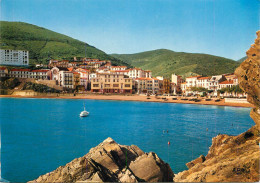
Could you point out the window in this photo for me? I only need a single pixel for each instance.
(95, 85)
(127, 85)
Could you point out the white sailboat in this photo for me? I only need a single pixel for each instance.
(84, 113)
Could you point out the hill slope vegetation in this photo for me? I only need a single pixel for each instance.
(166, 62)
(44, 44)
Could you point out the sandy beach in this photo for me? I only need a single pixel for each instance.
(136, 98)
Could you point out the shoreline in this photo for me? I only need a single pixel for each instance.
(135, 98)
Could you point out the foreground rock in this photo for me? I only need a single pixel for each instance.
(111, 162)
(230, 159)
(249, 78)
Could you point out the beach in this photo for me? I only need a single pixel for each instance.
(141, 98)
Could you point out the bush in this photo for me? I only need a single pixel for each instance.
(39, 88)
(10, 83)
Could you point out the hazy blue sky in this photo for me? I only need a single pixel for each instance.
(218, 27)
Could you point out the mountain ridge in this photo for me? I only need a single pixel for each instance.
(44, 44)
(166, 62)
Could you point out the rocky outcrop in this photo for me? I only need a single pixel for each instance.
(230, 159)
(111, 162)
(248, 74)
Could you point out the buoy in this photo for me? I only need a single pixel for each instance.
(207, 129)
(163, 131)
(167, 131)
(169, 142)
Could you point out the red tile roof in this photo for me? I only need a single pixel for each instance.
(2, 68)
(39, 70)
(70, 68)
(119, 66)
(143, 79)
(201, 78)
(194, 76)
(226, 82)
(20, 69)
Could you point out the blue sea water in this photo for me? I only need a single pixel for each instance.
(39, 135)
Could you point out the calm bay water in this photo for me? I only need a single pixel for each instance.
(38, 135)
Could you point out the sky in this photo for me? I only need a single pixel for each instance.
(218, 27)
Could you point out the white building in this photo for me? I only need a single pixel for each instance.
(66, 79)
(20, 73)
(203, 82)
(14, 57)
(40, 74)
(192, 81)
(118, 68)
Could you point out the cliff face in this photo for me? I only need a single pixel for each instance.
(234, 158)
(249, 80)
(230, 159)
(111, 162)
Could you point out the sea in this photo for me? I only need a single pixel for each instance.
(39, 135)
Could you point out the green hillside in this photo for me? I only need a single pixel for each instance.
(43, 44)
(165, 62)
(242, 59)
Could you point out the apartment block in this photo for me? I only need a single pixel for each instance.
(14, 57)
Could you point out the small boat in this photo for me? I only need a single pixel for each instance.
(84, 113)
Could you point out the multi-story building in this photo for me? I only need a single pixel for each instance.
(214, 82)
(226, 84)
(166, 86)
(76, 79)
(14, 57)
(147, 74)
(118, 68)
(176, 81)
(111, 83)
(147, 85)
(183, 87)
(232, 77)
(66, 79)
(20, 73)
(192, 81)
(3, 72)
(203, 82)
(39, 74)
(84, 77)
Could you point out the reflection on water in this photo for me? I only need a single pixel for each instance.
(46, 133)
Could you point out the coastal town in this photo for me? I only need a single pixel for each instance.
(100, 76)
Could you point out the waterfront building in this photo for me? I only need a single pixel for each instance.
(232, 77)
(214, 83)
(76, 79)
(166, 86)
(84, 77)
(176, 81)
(66, 79)
(111, 83)
(147, 85)
(203, 82)
(183, 87)
(192, 81)
(226, 84)
(14, 57)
